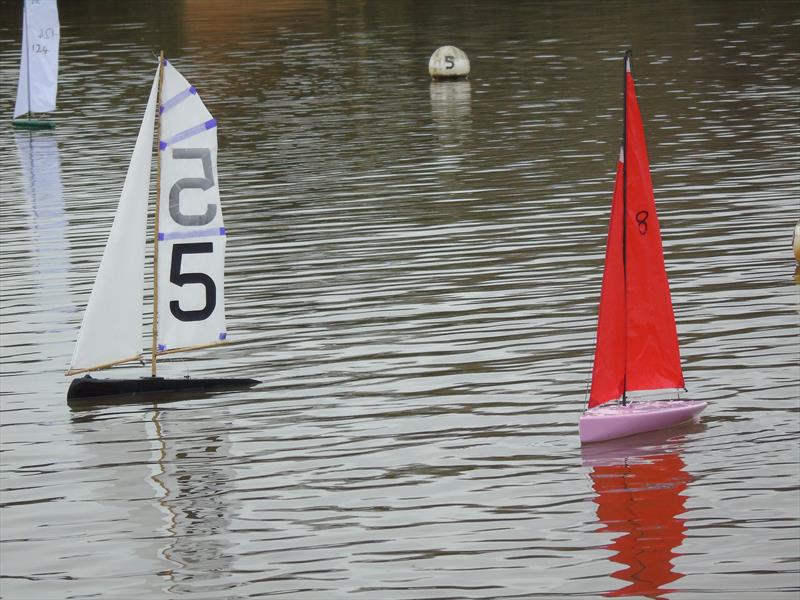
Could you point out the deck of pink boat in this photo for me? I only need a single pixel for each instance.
(607, 422)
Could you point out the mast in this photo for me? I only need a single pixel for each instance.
(155, 219)
(26, 42)
(626, 67)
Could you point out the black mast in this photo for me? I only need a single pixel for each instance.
(625, 63)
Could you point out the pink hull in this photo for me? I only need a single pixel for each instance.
(610, 421)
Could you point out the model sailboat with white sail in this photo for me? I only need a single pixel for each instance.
(189, 248)
(637, 341)
(38, 69)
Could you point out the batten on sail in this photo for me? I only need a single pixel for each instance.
(191, 232)
(38, 74)
(111, 330)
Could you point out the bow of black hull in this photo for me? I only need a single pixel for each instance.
(88, 390)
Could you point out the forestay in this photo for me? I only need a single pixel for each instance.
(38, 73)
(111, 331)
(191, 234)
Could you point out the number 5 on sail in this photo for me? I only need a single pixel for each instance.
(191, 234)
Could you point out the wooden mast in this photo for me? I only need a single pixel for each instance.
(154, 348)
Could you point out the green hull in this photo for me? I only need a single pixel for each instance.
(33, 124)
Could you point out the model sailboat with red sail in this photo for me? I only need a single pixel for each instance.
(637, 342)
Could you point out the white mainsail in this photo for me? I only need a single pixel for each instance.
(191, 234)
(111, 331)
(38, 73)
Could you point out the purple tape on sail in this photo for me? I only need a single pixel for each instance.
(223, 335)
(178, 98)
(182, 235)
(187, 133)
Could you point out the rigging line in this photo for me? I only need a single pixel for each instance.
(587, 390)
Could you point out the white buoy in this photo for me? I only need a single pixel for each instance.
(448, 62)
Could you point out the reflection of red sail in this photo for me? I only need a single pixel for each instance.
(642, 501)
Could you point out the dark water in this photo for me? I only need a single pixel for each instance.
(413, 273)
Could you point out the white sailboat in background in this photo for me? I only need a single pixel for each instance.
(189, 246)
(38, 72)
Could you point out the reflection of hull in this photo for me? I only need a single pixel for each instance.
(88, 389)
(607, 422)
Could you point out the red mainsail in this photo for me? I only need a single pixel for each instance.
(637, 343)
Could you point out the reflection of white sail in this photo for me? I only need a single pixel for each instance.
(111, 330)
(38, 73)
(115, 458)
(191, 234)
(193, 479)
(41, 171)
(177, 494)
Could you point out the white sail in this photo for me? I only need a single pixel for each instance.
(38, 73)
(191, 234)
(111, 331)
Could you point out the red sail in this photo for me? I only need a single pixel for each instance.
(637, 344)
(608, 375)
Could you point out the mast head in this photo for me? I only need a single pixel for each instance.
(627, 59)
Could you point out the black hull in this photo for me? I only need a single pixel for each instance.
(88, 390)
